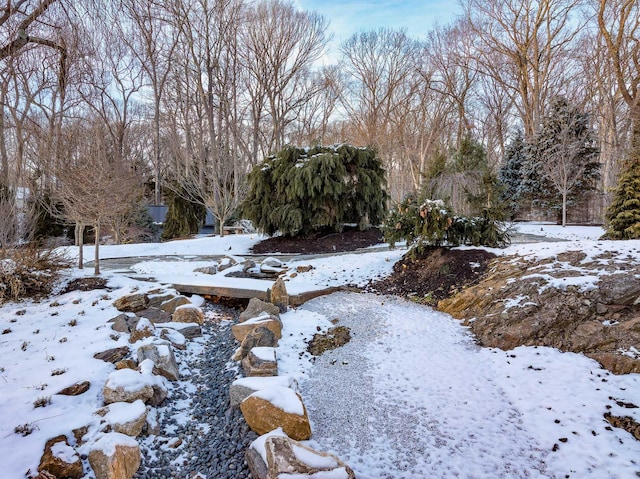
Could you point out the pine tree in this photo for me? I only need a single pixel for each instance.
(183, 217)
(623, 215)
(305, 191)
(511, 174)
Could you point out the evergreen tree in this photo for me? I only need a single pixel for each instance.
(183, 218)
(564, 160)
(511, 173)
(304, 191)
(623, 215)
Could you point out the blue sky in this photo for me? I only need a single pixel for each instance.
(347, 17)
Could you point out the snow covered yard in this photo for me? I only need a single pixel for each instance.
(411, 395)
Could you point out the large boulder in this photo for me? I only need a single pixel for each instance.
(242, 388)
(156, 298)
(114, 456)
(123, 323)
(261, 361)
(260, 336)
(155, 315)
(289, 458)
(241, 330)
(256, 307)
(188, 313)
(131, 303)
(271, 408)
(158, 383)
(170, 305)
(125, 418)
(176, 338)
(60, 459)
(163, 359)
(127, 385)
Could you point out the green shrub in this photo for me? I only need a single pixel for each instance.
(304, 191)
(423, 223)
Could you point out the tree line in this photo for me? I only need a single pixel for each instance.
(107, 104)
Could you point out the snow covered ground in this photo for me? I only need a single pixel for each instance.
(413, 396)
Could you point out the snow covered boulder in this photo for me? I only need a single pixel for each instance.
(188, 313)
(256, 307)
(131, 303)
(155, 315)
(288, 458)
(176, 338)
(60, 459)
(163, 359)
(261, 361)
(127, 385)
(114, 456)
(159, 384)
(170, 305)
(260, 336)
(144, 329)
(271, 408)
(125, 418)
(242, 388)
(272, 323)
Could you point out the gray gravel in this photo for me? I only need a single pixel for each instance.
(213, 435)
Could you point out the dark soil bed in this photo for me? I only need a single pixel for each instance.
(348, 240)
(436, 274)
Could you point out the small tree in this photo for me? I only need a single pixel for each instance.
(305, 191)
(511, 174)
(564, 153)
(623, 215)
(184, 217)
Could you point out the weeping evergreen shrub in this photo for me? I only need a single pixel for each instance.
(298, 192)
(183, 218)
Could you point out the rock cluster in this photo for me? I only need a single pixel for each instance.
(589, 306)
(138, 384)
(270, 404)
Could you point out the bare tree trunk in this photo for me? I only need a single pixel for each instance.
(96, 258)
(79, 235)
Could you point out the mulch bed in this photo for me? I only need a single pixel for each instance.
(435, 274)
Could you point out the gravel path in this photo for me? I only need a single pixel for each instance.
(201, 435)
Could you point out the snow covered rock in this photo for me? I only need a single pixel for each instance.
(114, 456)
(273, 323)
(260, 336)
(256, 307)
(176, 338)
(123, 323)
(271, 408)
(188, 313)
(261, 361)
(287, 458)
(127, 385)
(171, 305)
(163, 359)
(144, 329)
(60, 459)
(112, 355)
(125, 418)
(131, 303)
(156, 298)
(75, 389)
(244, 387)
(155, 315)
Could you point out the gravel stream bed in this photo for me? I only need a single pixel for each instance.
(201, 435)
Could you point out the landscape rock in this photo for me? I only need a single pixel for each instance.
(226, 263)
(213, 269)
(525, 302)
(279, 295)
(242, 388)
(271, 408)
(163, 359)
(126, 364)
(170, 305)
(176, 338)
(144, 329)
(125, 418)
(123, 323)
(156, 299)
(256, 454)
(60, 459)
(260, 336)
(191, 331)
(126, 385)
(115, 456)
(158, 383)
(131, 303)
(257, 307)
(304, 268)
(261, 361)
(188, 313)
(272, 323)
(155, 315)
(75, 389)
(286, 457)
(112, 355)
(332, 339)
(153, 422)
